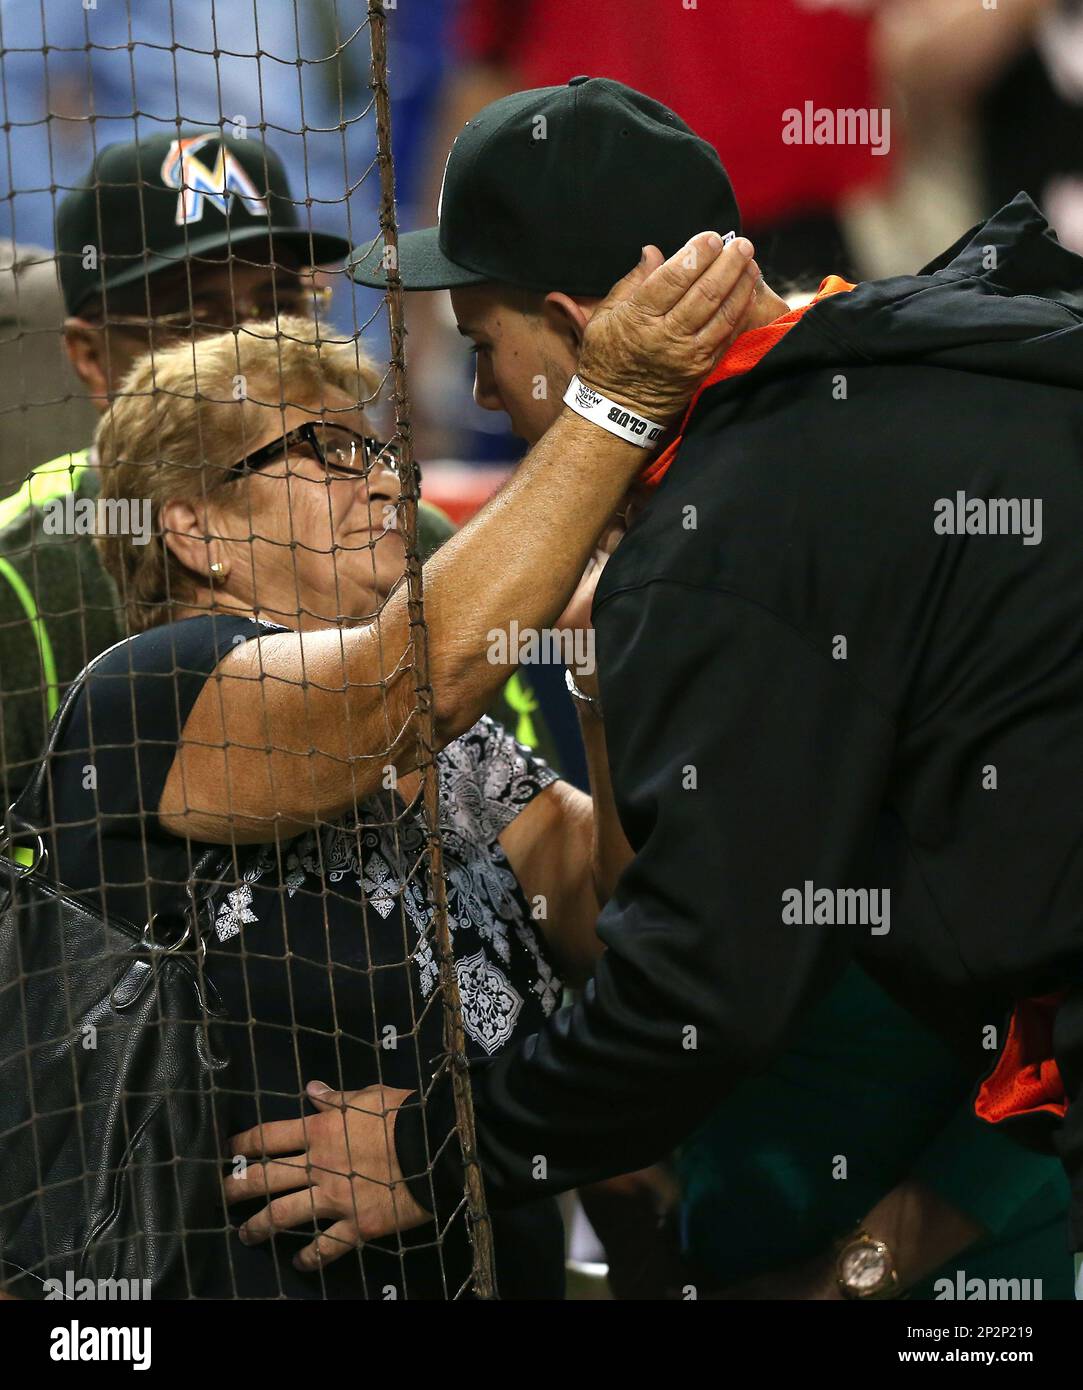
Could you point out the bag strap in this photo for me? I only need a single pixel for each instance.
(29, 812)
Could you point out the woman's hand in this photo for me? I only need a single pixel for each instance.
(662, 328)
(341, 1167)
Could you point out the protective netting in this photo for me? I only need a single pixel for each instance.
(230, 878)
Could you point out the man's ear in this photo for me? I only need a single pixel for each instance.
(84, 343)
(184, 526)
(568, 316)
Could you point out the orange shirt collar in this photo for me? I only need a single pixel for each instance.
(740, 357)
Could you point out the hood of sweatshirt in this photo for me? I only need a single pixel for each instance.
(1006, 300)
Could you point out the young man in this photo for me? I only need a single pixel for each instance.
(837, 656)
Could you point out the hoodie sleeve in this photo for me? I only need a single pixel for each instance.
(745, 761)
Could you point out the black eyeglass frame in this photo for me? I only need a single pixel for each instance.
(371, 451)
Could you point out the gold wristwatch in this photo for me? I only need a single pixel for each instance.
(865, 1267)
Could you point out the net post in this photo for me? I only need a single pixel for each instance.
(454, 1037)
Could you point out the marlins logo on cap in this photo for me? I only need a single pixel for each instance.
(182, 168)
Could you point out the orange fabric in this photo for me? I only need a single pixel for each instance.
(739, 358)
(1026, 1079)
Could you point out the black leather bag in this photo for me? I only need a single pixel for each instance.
(110, 1039)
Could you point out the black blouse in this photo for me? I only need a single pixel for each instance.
(322, 949)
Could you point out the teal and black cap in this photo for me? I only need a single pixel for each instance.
(152, 204)
(559, 188)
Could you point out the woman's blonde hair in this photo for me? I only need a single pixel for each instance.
(182, 417)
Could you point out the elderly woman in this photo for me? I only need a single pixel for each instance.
(263, 705)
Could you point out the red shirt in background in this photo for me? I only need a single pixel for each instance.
(729, 68)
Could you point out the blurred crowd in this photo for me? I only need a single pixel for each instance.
(978, 111)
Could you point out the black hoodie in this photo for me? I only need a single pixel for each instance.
(809, 685)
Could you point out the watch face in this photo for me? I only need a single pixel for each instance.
(863, 1268)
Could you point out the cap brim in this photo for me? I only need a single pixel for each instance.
(422, 265)
(312, 248)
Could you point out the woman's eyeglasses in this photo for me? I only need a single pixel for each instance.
(336, 448)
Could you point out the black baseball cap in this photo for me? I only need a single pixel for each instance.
(149, 205)
(559, 188)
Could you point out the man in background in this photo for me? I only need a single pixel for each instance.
(175, 235)
(41, 414)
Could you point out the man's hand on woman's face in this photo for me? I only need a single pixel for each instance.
(661, 329)
(341, 1167)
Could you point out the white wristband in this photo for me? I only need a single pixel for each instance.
(617, 419)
